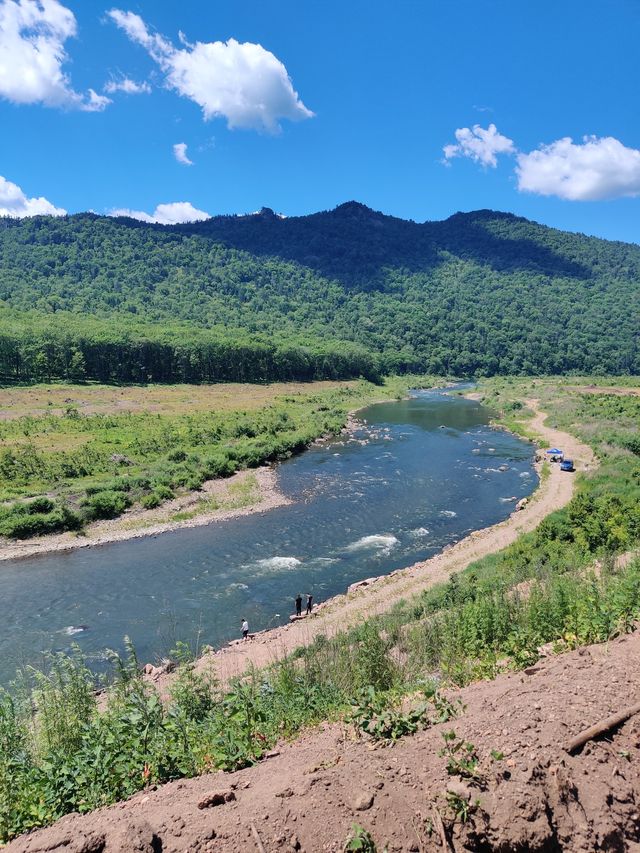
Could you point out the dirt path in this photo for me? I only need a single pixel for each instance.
(344, 611)
(306, 797)
(617, 390)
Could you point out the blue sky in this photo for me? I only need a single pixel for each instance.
(381, 89)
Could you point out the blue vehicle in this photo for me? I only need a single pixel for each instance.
(567, 465)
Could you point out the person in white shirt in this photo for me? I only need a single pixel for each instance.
(245, 629)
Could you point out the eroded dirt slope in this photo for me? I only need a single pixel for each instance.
(306, 797)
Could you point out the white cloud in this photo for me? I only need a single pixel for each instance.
(128, 86)
(479, 144)
(13, 202)
(180, 153)
(166, 214)
(243, 83)
(32, 55)
(599, 168)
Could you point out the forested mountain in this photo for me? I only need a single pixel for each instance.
(345, 292)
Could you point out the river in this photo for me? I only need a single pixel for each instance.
(420, 474)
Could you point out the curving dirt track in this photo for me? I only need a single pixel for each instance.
(346, 610)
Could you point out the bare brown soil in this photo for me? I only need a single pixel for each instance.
(537, 797)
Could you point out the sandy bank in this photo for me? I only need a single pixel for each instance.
(259, 496)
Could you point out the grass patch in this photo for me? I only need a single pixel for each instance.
(96, 465)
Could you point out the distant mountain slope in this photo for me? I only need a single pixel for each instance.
(480, 292)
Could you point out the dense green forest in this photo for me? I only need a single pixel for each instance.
(337, 294)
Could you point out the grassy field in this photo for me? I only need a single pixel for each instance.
(70, 454)
(93, 399)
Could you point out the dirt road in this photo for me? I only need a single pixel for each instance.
(344, 611)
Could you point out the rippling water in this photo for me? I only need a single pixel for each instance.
(420, 474)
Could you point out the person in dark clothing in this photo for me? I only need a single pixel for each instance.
(309, 603)
(298, 605)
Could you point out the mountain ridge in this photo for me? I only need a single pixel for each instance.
(480, 292)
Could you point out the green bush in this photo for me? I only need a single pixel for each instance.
(177, 456)
(164, 492)
(118, 484)
(22, 526)
(106, 504)
(151, 501)
(40, 505)
(219, 465)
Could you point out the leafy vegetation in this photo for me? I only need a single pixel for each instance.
(339, 294)
(462, 757)
(93, 466)
(380, 717)
(360, 840)
(59, 754)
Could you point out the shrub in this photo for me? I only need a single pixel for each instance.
(117, 484)
(140, 482)
(22, 526)
(107, 504)
(40, 505)
(151, 501)
(164, 493)
(177, 456)
(219, 465)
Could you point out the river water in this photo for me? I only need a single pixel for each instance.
(419, 475)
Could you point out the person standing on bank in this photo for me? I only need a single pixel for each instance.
(245, 629)
(298, 605)
(309, 603)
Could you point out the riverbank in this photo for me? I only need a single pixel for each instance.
(244, 493)
(380, 594)
(214, 428)
(308, 793)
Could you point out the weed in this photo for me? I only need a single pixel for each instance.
(461, 808)
(359, 841)
(462, 757)
(384, 716)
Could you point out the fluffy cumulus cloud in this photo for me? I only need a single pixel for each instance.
(598, 168)
(13, 202)
(479, 144)
(180, 153)
(172, 213)
(32, 55)
(128, 86)
(243, 83)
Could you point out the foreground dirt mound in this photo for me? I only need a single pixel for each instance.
(535, 797)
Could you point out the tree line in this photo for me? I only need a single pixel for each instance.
(76, 349)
